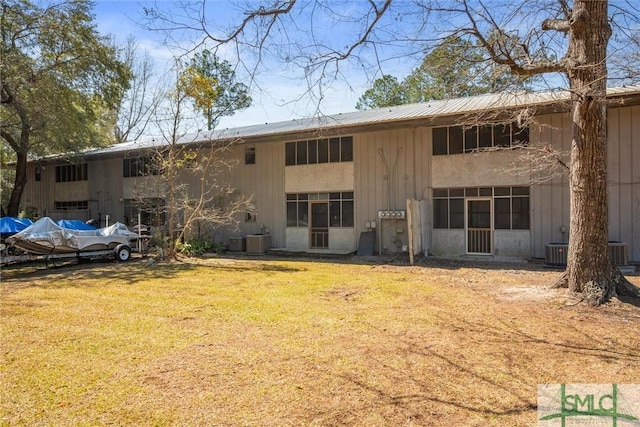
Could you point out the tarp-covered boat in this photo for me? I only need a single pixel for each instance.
(45, 237)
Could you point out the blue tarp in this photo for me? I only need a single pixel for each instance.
(10, 225)
(74, 224)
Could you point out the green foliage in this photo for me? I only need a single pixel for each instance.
(385, 92)
(194, 247)
(60, 81)
(211, 84)
(454, 68)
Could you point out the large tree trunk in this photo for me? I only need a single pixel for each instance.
(589, 268)
(13, 208)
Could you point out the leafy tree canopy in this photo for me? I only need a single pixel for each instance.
(454, 68)
(60, 80)
(211, 84)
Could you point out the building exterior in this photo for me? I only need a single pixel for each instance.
(319, 183)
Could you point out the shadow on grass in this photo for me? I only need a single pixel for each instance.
(462, 377)
(109, 271)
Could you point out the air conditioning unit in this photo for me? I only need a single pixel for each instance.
(619, 253)
(556, 253)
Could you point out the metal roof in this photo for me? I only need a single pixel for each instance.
(401, 113)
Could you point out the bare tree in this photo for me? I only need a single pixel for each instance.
(568, 40)
(136, 108)
(186, 173)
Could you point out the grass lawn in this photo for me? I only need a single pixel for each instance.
(295, 342)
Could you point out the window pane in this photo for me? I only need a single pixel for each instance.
(334, 214)
(292, 197)
(520, 213)
(455, 140)
(471, 192)
(485, 136)
(502, 191)
(290, 153)
(456, 192)
(301, 152)
(249, 157)
(313, 151)
(456, 216)
(439, 138)
(347, 213)
(440, 213)
(323, 151)
(440, 192)
(303, 214)
(470, 139)
(346, 149)
(334, 150)
(502, 213)
(502, 135)
(348, 195)
(485, 191)
(520, 191)
(292, 214)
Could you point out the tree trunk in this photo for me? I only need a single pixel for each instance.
(13, 208)
(589, 268)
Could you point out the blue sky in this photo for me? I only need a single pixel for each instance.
(278, 94)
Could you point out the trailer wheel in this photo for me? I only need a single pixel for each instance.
(123, 253)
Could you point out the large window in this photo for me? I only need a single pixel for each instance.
(341, 208)
(140, 166)
(458, 139)
(327, 150)
(69, 173)
(510, 206)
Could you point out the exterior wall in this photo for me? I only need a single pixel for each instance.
(448, 243)
(490, 169)
(325, 177)
(390, 167)
(624, 177)
(512, 243)
(106, 188)
(319, 178)
(550, 200)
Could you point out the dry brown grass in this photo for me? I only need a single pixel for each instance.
(296, 342)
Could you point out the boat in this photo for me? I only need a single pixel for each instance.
(45, 237)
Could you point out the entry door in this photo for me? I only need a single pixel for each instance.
(319, 224)
(479, 226)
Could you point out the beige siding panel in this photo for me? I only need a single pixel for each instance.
(634, 238)
(390, 166)
(269, 190)
(624, 217)
(106, 190)
(549, 200)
